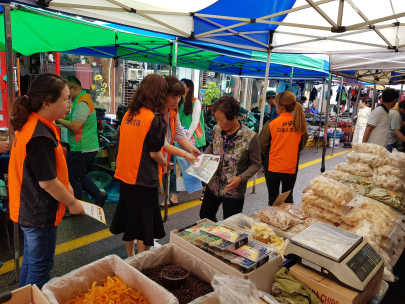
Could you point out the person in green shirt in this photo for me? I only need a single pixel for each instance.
(83, 140)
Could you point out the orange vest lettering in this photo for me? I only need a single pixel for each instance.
(134, 164)
(23, 188)
(283, 156)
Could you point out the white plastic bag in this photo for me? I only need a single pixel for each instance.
(357, 169)
(332, 190)
(366, 158)
(372, 149)
(235, 290)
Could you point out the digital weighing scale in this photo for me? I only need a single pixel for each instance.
(337, 254)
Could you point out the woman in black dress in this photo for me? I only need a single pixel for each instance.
(140, 164)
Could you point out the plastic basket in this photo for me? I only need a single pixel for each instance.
(101, 179)
(338, 135)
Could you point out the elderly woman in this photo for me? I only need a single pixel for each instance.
(239, 149)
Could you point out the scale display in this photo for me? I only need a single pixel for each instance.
(364, 262)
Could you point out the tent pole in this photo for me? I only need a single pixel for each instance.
(374, 94)
(174, 64)
(291, 76)
(325, 136)
(10, 97)
(266, 80)
(337, 114)
(320, 121)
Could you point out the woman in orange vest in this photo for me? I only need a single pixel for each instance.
(280, 143)
(175, 131)
(38, 176)
(141, 139)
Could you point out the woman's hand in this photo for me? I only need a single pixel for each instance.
(190, 158)
(164, 170)
(195, 152)
(4, 146)
(76, 208)
(233, 183)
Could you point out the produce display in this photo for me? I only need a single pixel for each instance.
(332, 190)
(311, 198)
(393, 199)
(339, 176)
(388, 182)
(357, 169)
(371, 149)
(115, 289)
(277, 218)
(266, 235)
(191, 290)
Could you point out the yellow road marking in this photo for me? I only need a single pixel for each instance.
(103, 234)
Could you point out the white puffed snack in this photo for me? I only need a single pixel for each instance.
(311, 198)
(398, 158)
(371, 233)
(320, 212)
(354, 216)
(334, 191)
(388, 182)
(389, 170)
(371, 149)
(339, 176)
(375, 206)
(366, 158)
(357, 169)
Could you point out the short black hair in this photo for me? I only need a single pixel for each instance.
(303, 98)
(74, 80)
(389, 95)
(228, 105)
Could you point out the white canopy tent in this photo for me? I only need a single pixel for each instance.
(301, 26)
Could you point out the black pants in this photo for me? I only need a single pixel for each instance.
(273, 181)
(211, 203)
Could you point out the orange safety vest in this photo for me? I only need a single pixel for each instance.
(284, 145)
(172, 124)
(134, 164)
(27, 208)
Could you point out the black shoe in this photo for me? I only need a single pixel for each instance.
(103, 198)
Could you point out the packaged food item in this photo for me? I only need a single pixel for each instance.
(320, 212)
(398, 157)
(312, 220)
(297, 228)
(389, 170)
(388, 182)
(360, 188)
(294, 210)
(371, 233)
(371, 149)
(354, 216)
(393, 199)
(114, 288)
(359, 180)
(332, 190)
(311, 198)
(357, 169)
(277, 218)
(375, 206)
(339, 176)
(366, 158)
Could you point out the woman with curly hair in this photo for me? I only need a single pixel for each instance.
(140, 164)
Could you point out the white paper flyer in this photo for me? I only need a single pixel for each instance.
(205, 167)
(94, 211)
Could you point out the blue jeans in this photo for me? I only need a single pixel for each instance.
(390, 147)
(77, 163)
(38, 259)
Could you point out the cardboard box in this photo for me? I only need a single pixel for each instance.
(70, 285)
(24, 295)
(330, 292)
(173, 254)
(263, 276)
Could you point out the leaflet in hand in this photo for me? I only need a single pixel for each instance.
(205, 167)
(94, 211)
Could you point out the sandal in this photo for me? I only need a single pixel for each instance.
(169, 204)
